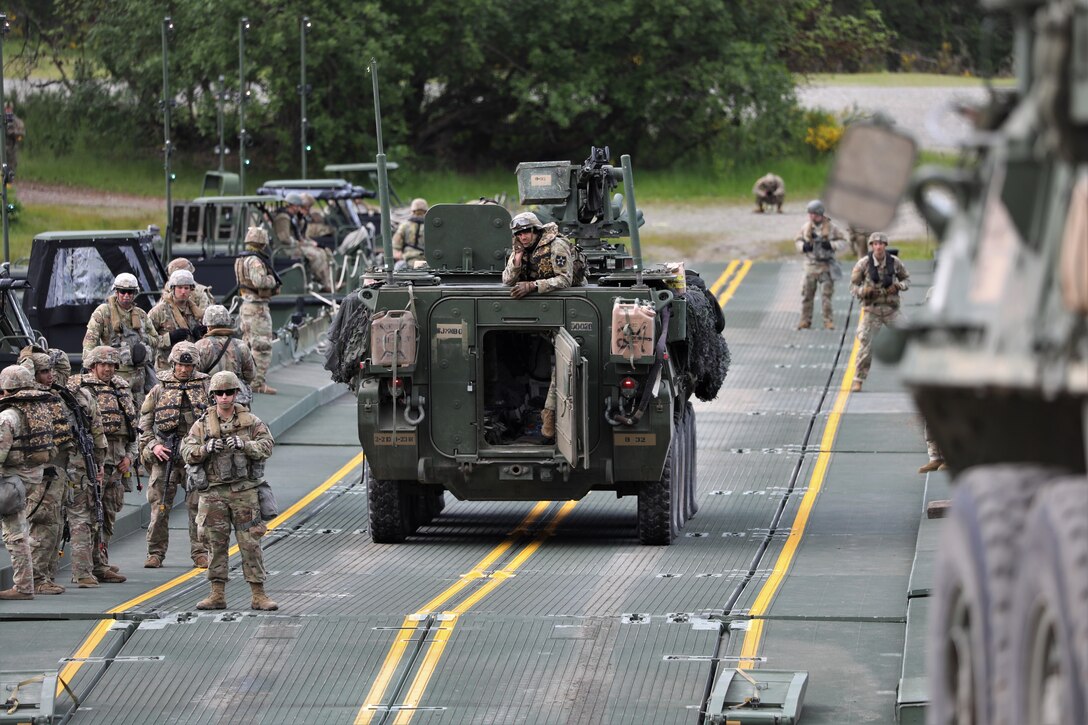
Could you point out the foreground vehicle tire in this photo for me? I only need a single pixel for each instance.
(692, 467)
(972, 594)
(1049, 662)
(390, 508)
(657, 507)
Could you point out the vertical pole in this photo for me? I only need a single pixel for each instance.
(4, 28)
(220, 100)
(167, 144)
(632, 215)
(304, 25)
(383, 177)
(243, 93)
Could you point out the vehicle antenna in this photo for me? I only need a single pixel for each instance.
(243, 94)
(383, 178)
(632, 214)
(4, 171)
(167, 104)
(303, 89)
(220, 101)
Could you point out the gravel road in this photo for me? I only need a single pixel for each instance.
(697, 232)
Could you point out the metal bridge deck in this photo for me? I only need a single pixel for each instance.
(502, 613)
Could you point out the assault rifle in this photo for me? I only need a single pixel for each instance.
(82, 433)
(171, 442)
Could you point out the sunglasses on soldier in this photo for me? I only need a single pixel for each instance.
(218, 393)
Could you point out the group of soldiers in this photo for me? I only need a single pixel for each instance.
(70, 447)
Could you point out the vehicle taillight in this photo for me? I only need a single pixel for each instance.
(628, 387)
(397, 386)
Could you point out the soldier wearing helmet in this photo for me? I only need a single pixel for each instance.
(28, 429)
(314, 226)
(289, 235)
(408, 239)
(202, 294)
(176, 316)
(541, 261)
(769, 191)
(818, 240)
(876, 280)
(220, 349)
(257, 283)
(169, 410)
(120, 323)
(111, 393)
(230, 445)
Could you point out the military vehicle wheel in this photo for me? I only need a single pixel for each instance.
(973, 588)
(1050, 614)
(427, 503)
(691, 469)
(390, 510)
(679, 479)
(657, 506)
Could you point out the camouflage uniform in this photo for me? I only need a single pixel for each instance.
(27, 430)
(168, 316)
(859, 240)
(408, 239)
(201, 295)
(119, 425)
(819, 242)
(221, 350)
(313, 222)
(14, 131)
(877, 285)
(256, 284)
(290, 236)
(770, 190)
(119, 328)
(549, 265)
(231, 500)
(170, 409)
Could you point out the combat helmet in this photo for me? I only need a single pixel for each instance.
(126, 281)
(180, 263)
(217, 316)
(525, 220)
(16, 377)
(224, 380)
(36, 362)
(102, 354)
(878, 237)
(419, 205)
(816, 207)
(181, 278)
(308, 200)
(257, 237)
(184, 353)
(293, 199)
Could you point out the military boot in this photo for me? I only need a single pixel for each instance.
(547, 423)
(855, 387)
(48, 587)
(154, 561)
(14, 593)
(217, 599)
(935, 465)
(86, 582)
(260, 599)
(109, 576)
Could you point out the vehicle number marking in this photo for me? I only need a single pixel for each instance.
(450, 331)
(634, 439)
(406, 438)
(540, 180)
(581, 326)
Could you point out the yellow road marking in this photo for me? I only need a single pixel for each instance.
(442, 636)
(103, 626)
(396, 651)
(732, 288)
(720, 282)
(754, 634)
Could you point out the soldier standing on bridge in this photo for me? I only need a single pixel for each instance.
(877, 280)
(177, 317)
(166, 416)
(257, 283)
(769, 191)
(220, 349)
(230, 445)
(120, 323)
(818, 240)
(27, 428)
(542, 261)
(201, 296)
(408, 239)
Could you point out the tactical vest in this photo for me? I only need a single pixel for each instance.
(174, 399)
(116, 410)
(539, 263)
(883, 296)
(821, 234)
(231, 465)
(413, 239)
(247, 283)
(122, 334)
(36, 445)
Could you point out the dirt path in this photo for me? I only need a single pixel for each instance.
(32, 192)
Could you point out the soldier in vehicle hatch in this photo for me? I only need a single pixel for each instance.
(542, 260)
(408, 239)
(769, 191)
(876, 280)
(818, 240)
(121, 324)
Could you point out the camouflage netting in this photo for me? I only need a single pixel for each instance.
(349, 336)
(707, 354)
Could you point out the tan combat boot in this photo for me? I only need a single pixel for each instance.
(109, 576)
(217, 599)
(829, 325)
(265, 389)
(86, 582)
(804, 325)
(855, 387)
(48, 587)
(547, 423)
(200, 561)
(260, 599)
(935, 465)
(14, 593)
(154, 561)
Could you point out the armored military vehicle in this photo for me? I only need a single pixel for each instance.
(998, 364)
(451, 372)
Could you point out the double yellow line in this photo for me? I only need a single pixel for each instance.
(726, 285)
(103, 626)
(754, 635)
(447, 619)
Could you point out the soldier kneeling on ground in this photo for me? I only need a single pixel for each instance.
(769, 191)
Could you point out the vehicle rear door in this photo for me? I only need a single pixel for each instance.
(571, 424)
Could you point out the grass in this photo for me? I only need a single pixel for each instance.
(33, 219)
(898, 80)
